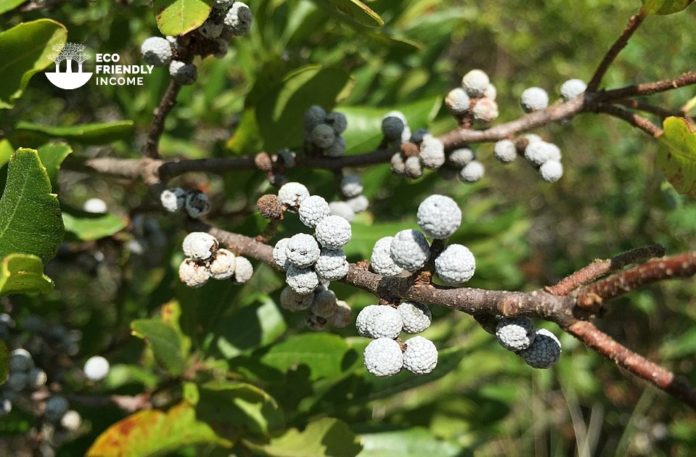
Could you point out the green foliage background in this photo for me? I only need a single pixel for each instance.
(525, 233)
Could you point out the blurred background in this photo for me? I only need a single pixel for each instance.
(524, 232)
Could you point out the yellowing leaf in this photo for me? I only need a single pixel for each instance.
(677, 156)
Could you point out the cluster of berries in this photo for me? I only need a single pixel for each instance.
(323, 132)
(310, 259)
(194, 202)
(417, 150)
(439, 217)
(538, 347)
(385, 355)
(205, 260)
(322, 306)
(228, 19)
(23, 376)
(355, 202)
(474, 98)
(542, 155)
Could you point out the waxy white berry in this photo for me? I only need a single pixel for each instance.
(312, 210)
(420, 356)
(456, 264)
(475, 83)
(291, 194)
(199, 245)
(381, 261)
(534, 99)
(415, 316)
(439, 216)
(383, 357)
(333, 232)
(302, 250)
(156, 51)
(223, 264)
(409, 250)
(96, 368)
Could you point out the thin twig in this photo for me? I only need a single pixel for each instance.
(632, 118)
(620, 43)
(685, 79)
(648, 108)
(677, 266)
(160, 115)
(635, 363)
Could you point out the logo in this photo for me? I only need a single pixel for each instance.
(69, 59)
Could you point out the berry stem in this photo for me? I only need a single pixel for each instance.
(157, 126)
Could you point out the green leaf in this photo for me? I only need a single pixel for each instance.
(365, 124)
(664, 7)
(326, 355)
(52, 156)
(7, 5)
(30, 220)
(354, 11)
(677, 156)
(325, 437)
(96, 133)
(152, 432)
(23, 273)
(280, 110)
(165, 341)
(416, 442)
(26, 49)
(4, 362)
(231, 406)
(90, 226)
(6, 151)
(177, 17)
(249, 328)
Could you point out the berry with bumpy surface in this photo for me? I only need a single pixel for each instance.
(324, 304)
(223, 264)
(314, 116)
(475, 83)
(312, 210)
(280, 256)
(332, 264)
(383, 357)
(410, 250)
(439, 216)
(182, 72)
(432, 152)
(505, 151)
(292, 194)
(243, 270)
(516, 333)
(193, 274)
(173, 199)
(302, 280)
(456, 264)
(365, 316)
(539, 152)
(385, 323)
(20, 360)
(457, 101)
(358, 204)
(197, 204)
(302, 250)
(156, 51)
(381, 261)
(322, 136)
(342, 209)
(572, 88)
(415, 316)
(337, 121)
(333, 232)
(544, 351)
(551, 170)
(460, 157)
(392, 127)
(238, 19)
(351, 186)
(412, 167)
(292, 301)
(199, 245)
(343, 315)
(420, 356)
(96, 368)
(337, 148)
(56, 406)
(485, 110)
(71, 420)
(472, 172)
(534, 99)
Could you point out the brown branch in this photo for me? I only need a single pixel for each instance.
(160, 115)
(677, 266)
(685, 79)
(632, 118)
(643, 368)
(599, 268)
(648, 108)
(620, 43)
